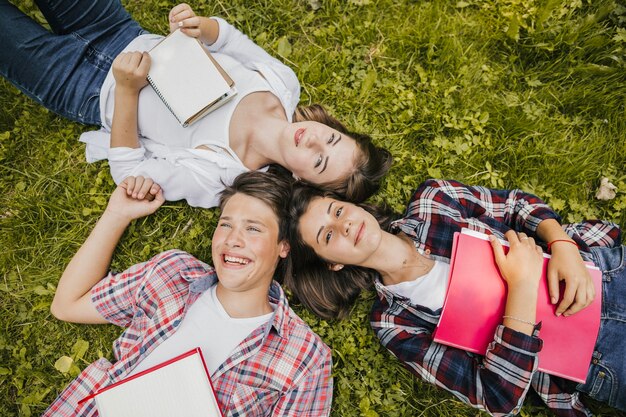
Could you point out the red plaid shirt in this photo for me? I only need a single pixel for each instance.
(281, 369)
(499, 381)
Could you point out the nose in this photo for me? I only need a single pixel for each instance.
(234, 239)
(312, 141)
(345, 226)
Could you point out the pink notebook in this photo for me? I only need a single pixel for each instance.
(474, 306)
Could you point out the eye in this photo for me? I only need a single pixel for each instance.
(223, 224)
(328, 236)
(331, 139)
(338, 212)
(318, 162)
(253, 229)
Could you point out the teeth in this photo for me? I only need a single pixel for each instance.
(233, 259)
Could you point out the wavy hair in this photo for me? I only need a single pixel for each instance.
(327, 293)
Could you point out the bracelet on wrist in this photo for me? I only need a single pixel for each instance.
(520, 320)
(549, 248)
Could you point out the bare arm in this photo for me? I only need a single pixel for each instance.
(130, 70)
(72, 300)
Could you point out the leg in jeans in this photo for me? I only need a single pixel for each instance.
(606, 380)
(64, 70)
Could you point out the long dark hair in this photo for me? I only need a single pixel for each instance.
(327, 293)
(371, 164)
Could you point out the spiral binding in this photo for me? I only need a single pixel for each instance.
(156, 89)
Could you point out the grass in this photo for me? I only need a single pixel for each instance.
(510, 93)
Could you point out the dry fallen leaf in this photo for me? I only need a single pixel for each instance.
(606, 191)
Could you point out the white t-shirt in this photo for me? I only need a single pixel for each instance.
(427, 290)
(208, 326)
(168, 151)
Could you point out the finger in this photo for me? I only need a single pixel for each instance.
(130, 185)
(511, 237)
(498, 251)
(154, 190)
(192, 33)
(553, 283)
(189, 22)
(144, 64)
(138, 184)
(135, 59)
(145, 188)
(580, 303)
(159, 199)
(177, 9)
(568, 299)
(523, 238)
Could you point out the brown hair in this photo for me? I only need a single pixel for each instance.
(271, 189)
(327, 293)
(371, 164)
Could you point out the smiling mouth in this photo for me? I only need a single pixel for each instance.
(359, 234)
(234, 260)
(297, 137)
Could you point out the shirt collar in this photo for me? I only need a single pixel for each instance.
(202, 281)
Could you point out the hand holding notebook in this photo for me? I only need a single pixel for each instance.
(188, 80)
(475, 303)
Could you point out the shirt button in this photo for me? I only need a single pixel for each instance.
(601, 374)
(176, 323)
(142, 350)
(594, 361)
(118, 372)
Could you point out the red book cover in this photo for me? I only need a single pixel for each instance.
(475, 303)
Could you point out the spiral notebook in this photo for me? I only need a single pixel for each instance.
(178, 387)
(475, 303)
(189, 81)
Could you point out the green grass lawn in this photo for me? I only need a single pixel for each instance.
(510, 93)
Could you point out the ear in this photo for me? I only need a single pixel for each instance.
(284, 249)
(335, 267)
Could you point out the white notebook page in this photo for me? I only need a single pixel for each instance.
(181, 388)
(184, 75)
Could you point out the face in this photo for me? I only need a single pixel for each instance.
(339, 232)
(245, 245)
(317, 153)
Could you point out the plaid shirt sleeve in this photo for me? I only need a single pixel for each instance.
(496, 383)
(116, 296)
(312, 396)
(514, 208)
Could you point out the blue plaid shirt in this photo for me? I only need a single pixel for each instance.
(499, 381)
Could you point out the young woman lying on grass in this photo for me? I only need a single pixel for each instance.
(93, 69)
(343, 248)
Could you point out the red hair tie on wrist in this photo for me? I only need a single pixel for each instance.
(561, 240)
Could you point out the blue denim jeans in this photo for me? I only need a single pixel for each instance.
(64, 69)
(606, 380)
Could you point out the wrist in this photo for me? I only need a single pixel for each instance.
(115, 219)
(209, 30)
(562, 244)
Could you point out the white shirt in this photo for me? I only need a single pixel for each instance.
(427, 290)
(207, 326)
(167, 151)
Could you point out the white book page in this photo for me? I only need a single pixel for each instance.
(184, 76)
(181, 388)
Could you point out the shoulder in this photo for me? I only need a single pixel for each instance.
(175, 267)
